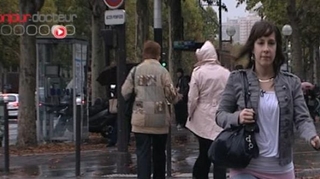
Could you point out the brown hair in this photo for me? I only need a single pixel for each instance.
(151, 50)
(263, 29)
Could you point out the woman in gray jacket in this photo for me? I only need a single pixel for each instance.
(277, 105)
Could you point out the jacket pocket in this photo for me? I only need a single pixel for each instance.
(138, 119)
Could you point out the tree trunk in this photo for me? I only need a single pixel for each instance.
(27, 135)
(98, 60)
(310, 64)
(296, 61)
(177, 34)
(142, 26)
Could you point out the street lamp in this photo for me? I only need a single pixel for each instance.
(230, 32)
(287, 31)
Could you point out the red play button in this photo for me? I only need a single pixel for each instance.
(59, 31)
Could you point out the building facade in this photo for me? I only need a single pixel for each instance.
(242, 25)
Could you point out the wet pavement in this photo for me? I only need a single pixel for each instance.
(102, 163)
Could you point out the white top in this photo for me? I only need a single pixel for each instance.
(268, 122)
(268, 137)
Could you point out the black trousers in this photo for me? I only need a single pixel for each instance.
(202, 165)
(144, 142)
(181, 112)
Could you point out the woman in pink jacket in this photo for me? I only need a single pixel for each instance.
(208, 80)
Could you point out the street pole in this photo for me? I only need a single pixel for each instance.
(287, 55)
(122, 122)
(220, 28)
(157, 27)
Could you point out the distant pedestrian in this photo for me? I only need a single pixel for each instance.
(181, 108)
(153, 87)
(208, 80)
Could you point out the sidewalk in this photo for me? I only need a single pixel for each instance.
(101, 163)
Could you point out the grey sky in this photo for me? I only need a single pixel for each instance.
(233, 12)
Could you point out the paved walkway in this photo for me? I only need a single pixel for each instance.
(102, 163)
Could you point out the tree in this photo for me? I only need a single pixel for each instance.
(97, 60)
(9, 53)
(176, 32)
(27, 134)
(211, 26)
(142, 26)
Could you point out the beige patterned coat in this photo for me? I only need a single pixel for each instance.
(154, 88)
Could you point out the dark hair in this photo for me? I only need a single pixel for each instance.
(180, 70)
(151, 50)
(263, 29)
(238, 67)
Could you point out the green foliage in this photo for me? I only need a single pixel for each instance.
(130, 28)
(193, 21)
(307, 13)
(211, 25)
(198, 26)
(9, 51)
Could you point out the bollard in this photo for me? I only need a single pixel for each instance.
(4, 113)
(169, 147)
(78, 136)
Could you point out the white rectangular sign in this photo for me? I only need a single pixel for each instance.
(114, 17)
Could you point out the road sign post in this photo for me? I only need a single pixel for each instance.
(115, 16)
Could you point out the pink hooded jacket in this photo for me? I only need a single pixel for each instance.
(208, 81)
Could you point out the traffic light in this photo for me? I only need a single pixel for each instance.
(163, 63)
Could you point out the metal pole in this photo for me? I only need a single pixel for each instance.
(169, 174)
(287, 55)
(220, 28)
(122, 122)
(158, 38)
(157, 27)
(78, 137)
(6, 138)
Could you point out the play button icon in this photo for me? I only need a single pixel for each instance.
(59, 31)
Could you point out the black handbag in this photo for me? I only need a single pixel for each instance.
(234, 147)
(129, 103)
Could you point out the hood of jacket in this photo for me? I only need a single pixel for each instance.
(207, 54)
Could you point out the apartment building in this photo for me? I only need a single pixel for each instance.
(246, 24)
(242, 25)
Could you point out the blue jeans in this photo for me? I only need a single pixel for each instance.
(244, 176)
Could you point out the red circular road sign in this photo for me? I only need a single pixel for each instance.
(113, 4)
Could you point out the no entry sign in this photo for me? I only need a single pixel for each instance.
(113, 4)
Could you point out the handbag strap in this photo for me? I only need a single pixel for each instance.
(245, 88)
(248, 127)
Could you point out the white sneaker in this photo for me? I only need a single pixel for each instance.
(179, 127)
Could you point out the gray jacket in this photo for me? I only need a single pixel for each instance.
(293, 109)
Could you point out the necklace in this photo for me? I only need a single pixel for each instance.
(266, 81)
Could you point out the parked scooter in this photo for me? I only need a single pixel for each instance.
(100, 120)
